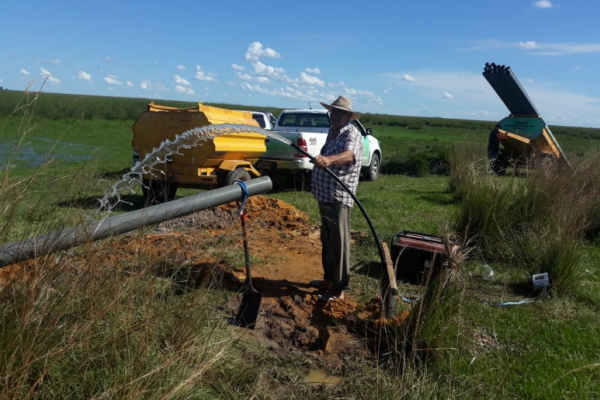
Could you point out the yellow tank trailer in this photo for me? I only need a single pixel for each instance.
(218, 162)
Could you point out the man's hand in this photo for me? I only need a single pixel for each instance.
(322, 161)
(347, 157)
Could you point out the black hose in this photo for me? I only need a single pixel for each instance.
(347, 189)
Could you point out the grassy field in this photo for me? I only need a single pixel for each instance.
(58, 159)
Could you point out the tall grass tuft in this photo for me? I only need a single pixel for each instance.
(77, 327)
(74, 324)
(535, 222)
(429, 330)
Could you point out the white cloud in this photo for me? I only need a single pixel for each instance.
(530, 81)
(541, 49)
(109, 59)
(480, 114)
(448, 95)
(24, 72)
(204, 76)
(46, 74)
(184, 89)
(256, 50)
(387, 89)
(528, 45)
(359, 92)
(55, 61)
(254, 88)
(84, 76)
(112, 80)
(577, 67)
(181, 68)
(153, 85)
(130, 84)
(180, 81)
(266, 70)
(315, 71)
(408, 78)
(472, 92)
(290, 93)
(311, 80)
(543, 4)
(339, 84)
(244, 76)
(561, 49)
(363, 98)
(237, 67)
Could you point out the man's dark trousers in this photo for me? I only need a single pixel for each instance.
(335, 238)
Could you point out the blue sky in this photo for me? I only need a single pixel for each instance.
(421, 58)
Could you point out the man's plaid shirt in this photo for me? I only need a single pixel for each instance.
(324, 188)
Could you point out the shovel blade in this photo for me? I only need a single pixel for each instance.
(248, 311)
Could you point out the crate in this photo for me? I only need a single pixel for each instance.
(413, 253)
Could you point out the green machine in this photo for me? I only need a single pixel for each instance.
(523, 137)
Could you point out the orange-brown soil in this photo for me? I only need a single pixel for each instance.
(286, 255)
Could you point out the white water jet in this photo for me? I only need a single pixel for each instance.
(186, 140)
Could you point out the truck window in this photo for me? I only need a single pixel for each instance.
(260, 119)
(360, 128)
(305, 119)
(321, 121)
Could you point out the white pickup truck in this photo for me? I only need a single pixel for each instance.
(308, 129)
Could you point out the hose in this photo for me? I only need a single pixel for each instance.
(347, 189)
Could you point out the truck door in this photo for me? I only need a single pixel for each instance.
(366, 150)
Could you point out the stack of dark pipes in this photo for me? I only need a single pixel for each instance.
(492, 68)
(507, 86)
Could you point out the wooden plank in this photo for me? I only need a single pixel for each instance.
(553, 145)
(390, 269)
(508, 135)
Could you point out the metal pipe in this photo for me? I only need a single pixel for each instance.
(11, 253)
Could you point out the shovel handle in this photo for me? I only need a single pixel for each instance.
(247, 252)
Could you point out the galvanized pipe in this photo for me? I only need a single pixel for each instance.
(11, 253)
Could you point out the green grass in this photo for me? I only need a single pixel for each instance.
(147, 342)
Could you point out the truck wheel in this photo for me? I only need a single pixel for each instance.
(238, 174)
(157, 192)
(371, 173)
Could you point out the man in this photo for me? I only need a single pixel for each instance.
(342, 154)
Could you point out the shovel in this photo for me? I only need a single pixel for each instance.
(250, 306)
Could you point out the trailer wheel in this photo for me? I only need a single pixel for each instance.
(238, 174)
(500, 163)
(157, 192)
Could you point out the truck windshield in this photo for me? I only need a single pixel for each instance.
(305, 119)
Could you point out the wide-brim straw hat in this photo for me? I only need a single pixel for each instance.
(345, 104)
